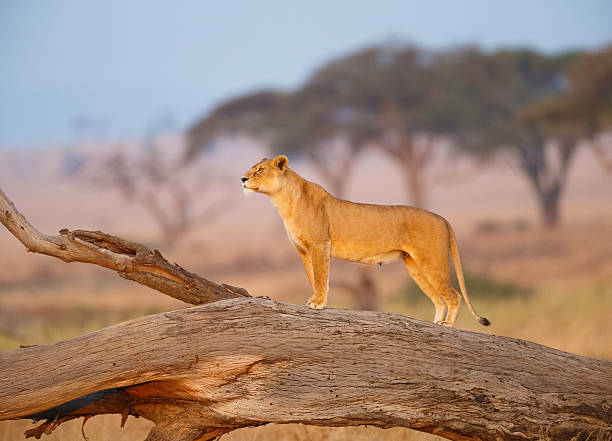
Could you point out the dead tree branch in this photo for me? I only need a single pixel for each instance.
(130, 260)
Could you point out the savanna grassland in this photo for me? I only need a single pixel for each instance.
(553, 287)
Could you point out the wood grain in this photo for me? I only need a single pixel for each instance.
(245, 362)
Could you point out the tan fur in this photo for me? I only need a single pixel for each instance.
(321, 226)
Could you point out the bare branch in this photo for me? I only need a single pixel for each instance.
(161, 181)
(130, 260)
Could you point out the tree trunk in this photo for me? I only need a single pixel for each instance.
(546, 168)
(335, 161)
(549, 207)
(414, 185)
(413, 157)
(245, 362)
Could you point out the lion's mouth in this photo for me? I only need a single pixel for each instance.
(248, 190)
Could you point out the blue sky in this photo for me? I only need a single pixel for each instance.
(121, 65)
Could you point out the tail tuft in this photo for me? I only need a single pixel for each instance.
(483, 321)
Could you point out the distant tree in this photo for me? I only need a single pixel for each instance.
(380, 95)
(484, 100)
(585, 109)
(159, 179)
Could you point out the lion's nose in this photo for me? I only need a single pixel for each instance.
(244, 179)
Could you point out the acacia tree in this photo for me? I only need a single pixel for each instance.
(585, 109)
(259, 114)
(484, 100)
(381, 95)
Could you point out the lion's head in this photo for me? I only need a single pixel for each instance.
(266, 175)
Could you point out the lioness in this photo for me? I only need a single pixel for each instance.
(321, 226)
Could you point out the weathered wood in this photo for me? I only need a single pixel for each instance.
(130, 260)
(244, 362)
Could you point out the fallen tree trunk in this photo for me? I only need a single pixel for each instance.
(244, 362)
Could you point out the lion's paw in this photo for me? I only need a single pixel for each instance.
(313, 304)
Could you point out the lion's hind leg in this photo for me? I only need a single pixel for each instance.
(453, 301)
(424, 284)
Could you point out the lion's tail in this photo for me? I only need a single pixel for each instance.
(454, 249)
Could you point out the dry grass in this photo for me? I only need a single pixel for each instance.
(106, 427)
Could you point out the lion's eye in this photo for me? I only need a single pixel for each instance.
(259, 169)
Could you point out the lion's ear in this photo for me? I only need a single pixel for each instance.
(281, 162)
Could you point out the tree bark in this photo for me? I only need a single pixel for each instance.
(246, 362)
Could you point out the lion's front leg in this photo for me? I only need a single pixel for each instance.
(319, 256)
(307, 262)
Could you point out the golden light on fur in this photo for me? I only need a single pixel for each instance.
(321, 226)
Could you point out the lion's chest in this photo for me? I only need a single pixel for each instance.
(295, 237)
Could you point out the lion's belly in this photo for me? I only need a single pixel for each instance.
(367, 256)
